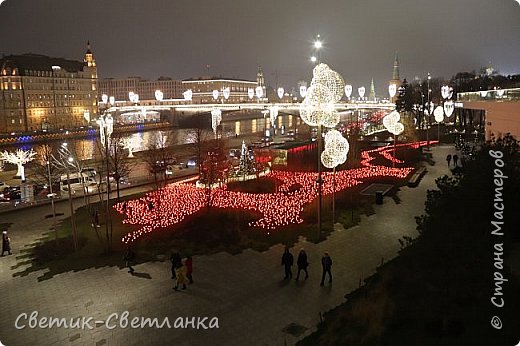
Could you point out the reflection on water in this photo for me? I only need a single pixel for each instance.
(89, 147)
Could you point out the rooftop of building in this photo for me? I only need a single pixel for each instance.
(217, 78)
(38, 62)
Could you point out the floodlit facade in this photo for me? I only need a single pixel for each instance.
(203, 90)
(121, 87)
(502, 110)
(38, 92)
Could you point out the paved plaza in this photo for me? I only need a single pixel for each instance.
(246, 292)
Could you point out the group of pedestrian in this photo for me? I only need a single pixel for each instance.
(6, 243)
(181, 270)
(303, 263)
(455, 160)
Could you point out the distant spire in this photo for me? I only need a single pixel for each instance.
(395, 71)
(372, 93)
(260, 77)
(89, 57)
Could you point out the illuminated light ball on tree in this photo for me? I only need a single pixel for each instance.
(324, 75)
(318, 106)
(391, 119)
(438, 113)
(397, 129)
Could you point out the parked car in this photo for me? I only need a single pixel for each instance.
(192, 162)
(10, 194)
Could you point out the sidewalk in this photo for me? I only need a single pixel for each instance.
(246, 291)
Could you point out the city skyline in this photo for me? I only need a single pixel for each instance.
(185, 40)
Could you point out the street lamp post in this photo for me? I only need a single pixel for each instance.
(51, 196)
(106, 127)
(439, 116)
(265, 111)
(429, 113)
(65, 161)
(318, 109)
(317, 46)
(319, 180)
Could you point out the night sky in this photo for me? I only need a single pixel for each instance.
(179, 38)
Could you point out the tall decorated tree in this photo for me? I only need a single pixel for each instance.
(247, 164)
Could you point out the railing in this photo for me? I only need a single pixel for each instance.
(500, 95)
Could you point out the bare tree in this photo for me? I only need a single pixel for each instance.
(39, 168)
(201, 136)
(160, 155)
(119, 163)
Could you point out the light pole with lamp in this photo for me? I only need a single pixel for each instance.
(438, 113)
(265, 111)
(106, 127)
(317, 46)
(318, 109)
(428, 110)
(335, 153)
(65, 161)
(51, 195)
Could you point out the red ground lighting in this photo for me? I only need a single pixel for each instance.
(170, 205)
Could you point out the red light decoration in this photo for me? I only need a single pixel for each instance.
(173, 203)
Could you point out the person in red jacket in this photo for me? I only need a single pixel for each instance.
(188, 263)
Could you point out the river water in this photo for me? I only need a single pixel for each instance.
(87, 148)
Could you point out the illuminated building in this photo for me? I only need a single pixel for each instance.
(120, 87)
(203, 88)
(38, 92)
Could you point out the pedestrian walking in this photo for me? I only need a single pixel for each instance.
(179, 272)
(448, 158)
(455, 159)
(96, 218)
(287, 262)
(188, 263)
(302, 264)
(6, 243)
(462, 161)
(175, 258)
(129, 259)
(326, 263)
